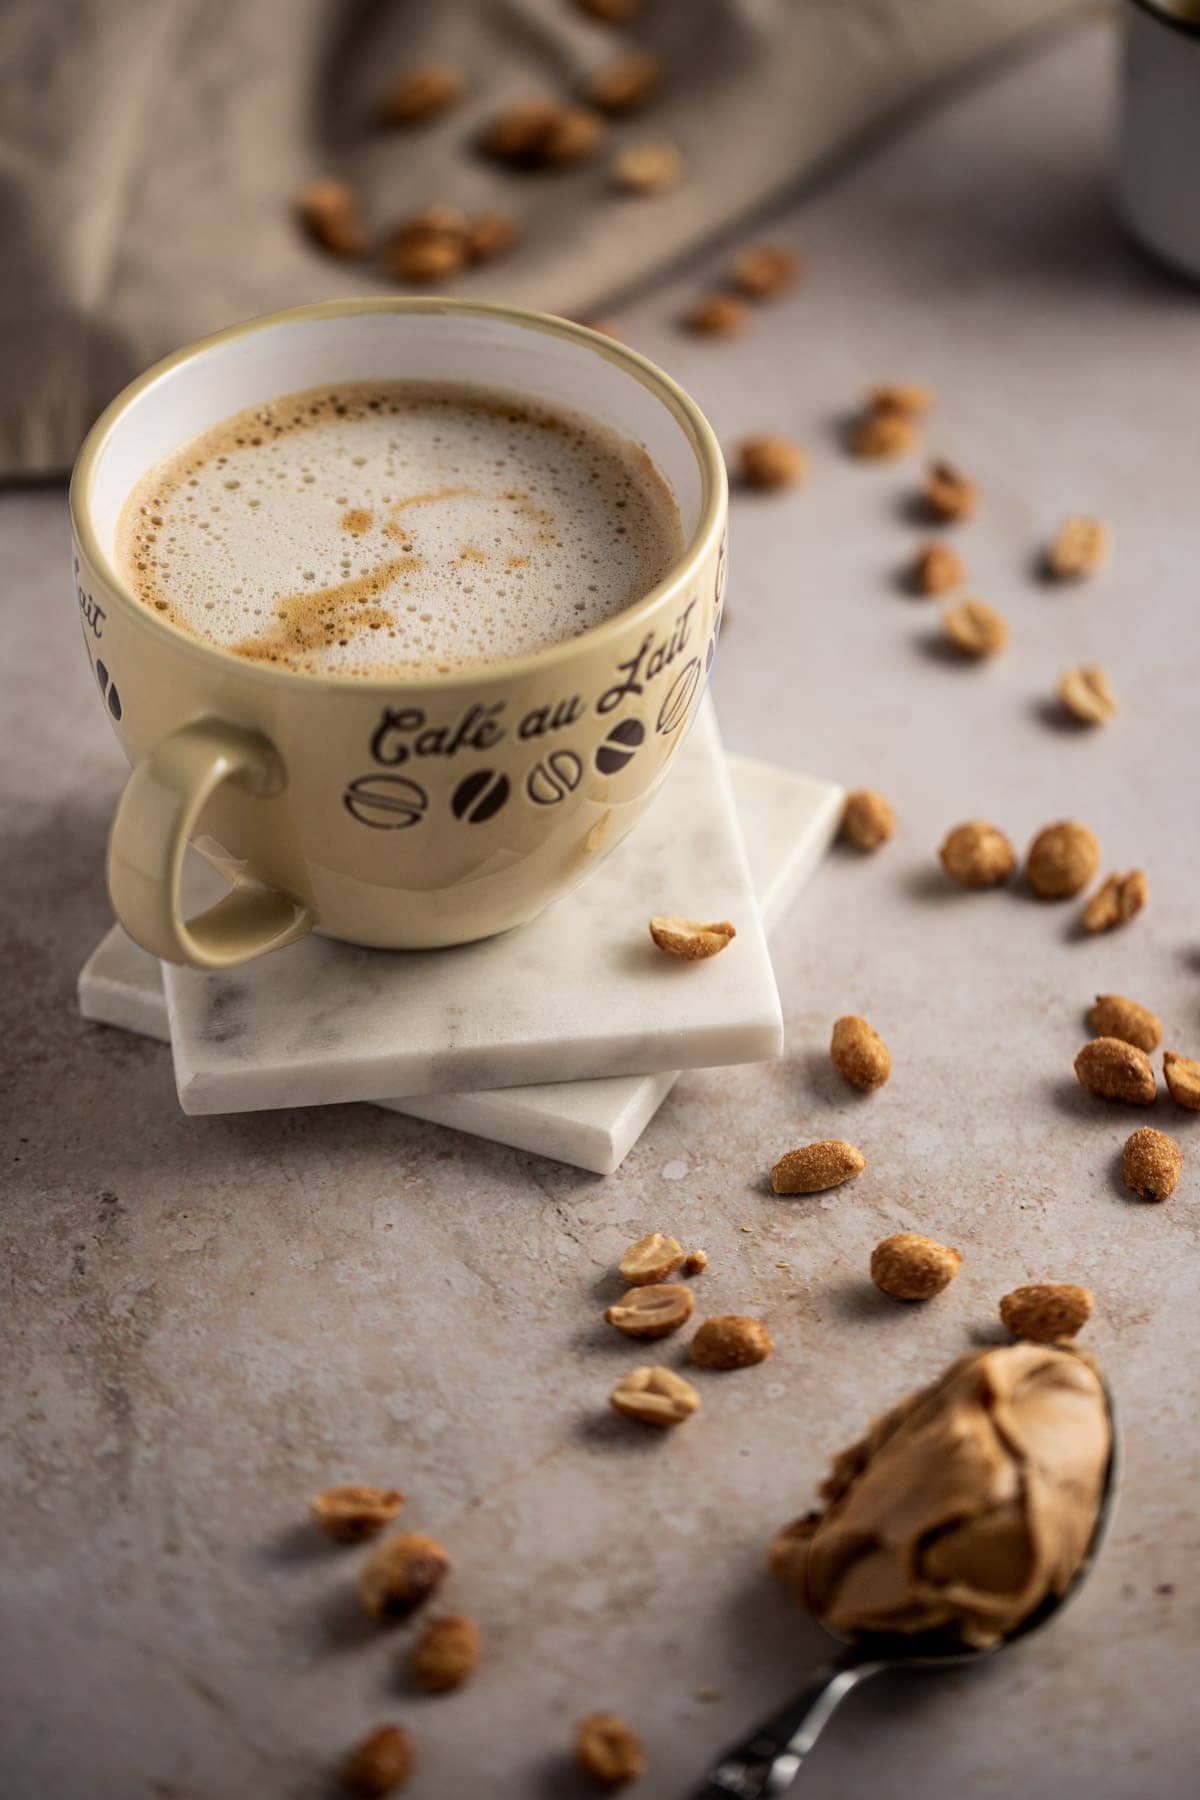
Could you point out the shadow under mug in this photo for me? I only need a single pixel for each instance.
(403, 813)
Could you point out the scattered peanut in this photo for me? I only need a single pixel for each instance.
(814, 1168)
(331, 212)
(867, 819)
(491, 235)
(1151, 1163)
(859, 1054)
(380, 1764)
(420, 253)
(355, 1511)
(764, 270)
(655, 1396)
(975, 628)
(947, 492)
(690, 939)
(1079, 549)
(1120, 899)
(695, 1262)
(1112, 1015)
(730, 1341)
(401, 1573)
(884, 434)
(610, 12)
(650, 1260)
(652, 1312)
(1116, 1071)
(771, 462)
(421, 93)
(571, 136)
(650, 167)
(978, 855)
(905, 397)
(609, 1750)
(1183, 1080)
(445, 1655)
(911, 1267)
(938, 568)
(1062, 859)
(1087, 694)
(717, 315)
(625, 83)
(542, 134)
(1044, 1311)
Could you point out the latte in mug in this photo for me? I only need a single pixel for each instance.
(398, 527)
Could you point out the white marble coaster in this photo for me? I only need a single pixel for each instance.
(787, 823)
(579, 992)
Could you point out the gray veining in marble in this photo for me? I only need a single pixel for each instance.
(787, 822)
(578, 993)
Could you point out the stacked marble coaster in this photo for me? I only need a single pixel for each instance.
(553, 1038)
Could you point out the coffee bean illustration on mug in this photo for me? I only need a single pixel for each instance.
(620, 746)
(479, 797)
(386, 802)
(552, 779)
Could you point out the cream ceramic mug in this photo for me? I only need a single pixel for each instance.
(398, 813)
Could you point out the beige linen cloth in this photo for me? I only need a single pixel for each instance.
(150, 151)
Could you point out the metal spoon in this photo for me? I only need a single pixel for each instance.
(765, 1764)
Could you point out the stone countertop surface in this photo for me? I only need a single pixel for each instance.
(210, 1319)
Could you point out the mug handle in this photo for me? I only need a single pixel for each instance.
(155, 817)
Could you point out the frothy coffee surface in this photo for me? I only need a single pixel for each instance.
(397, 527)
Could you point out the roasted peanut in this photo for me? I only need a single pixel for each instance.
(655, 1396)
(975, 628)
(764, 270)
(650, 167)
(1062, 859)
(1044, 1311)
(1116, 1071)
(331, 212)
(1183, 1080)
(1080, 548)
(937, 569)
(1112, 1015)
(814, 1168)
(978, 855)
(771, 462)
(1087, 694)
(1151, 1163)
(652, 1312)
(445, 1655)
(625, 83)
(609, 1750)
(401, 1573)
(717, 315)
(355, 1511)
(380, 1764)
(730, 1341)
(1120, 899)
(422, 93)
(650, 1260)
(859, 1054)
(867, 819)
(911, 1267)
(689, 939)
(947, 492)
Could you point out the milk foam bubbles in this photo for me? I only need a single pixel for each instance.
(398, 527)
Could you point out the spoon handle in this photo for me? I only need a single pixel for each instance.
(766, 1763)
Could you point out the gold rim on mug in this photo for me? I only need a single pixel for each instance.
(714, 482)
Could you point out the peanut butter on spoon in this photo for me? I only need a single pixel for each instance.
(964, 1509)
